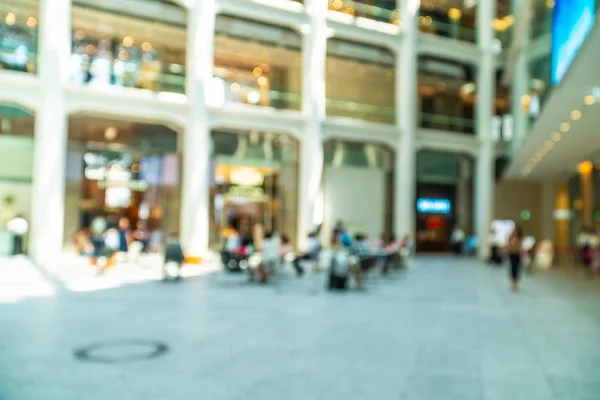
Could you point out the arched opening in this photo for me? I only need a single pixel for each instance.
(444, 198)
(120, 169)
(254, 182)
(365, 208)
(16, 169)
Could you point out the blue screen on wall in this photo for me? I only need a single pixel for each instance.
(571, 22)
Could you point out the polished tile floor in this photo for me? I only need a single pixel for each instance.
(447, 329)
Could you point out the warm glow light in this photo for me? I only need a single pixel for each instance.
(556, 136)
(127, 41)
(565, 126)
(454, 13)
(589, 100)
(550, 3)
(111, 133)
(10, 18)
(499, 25)
(585, 167)
(576, 115)
(349, 11)
(509, 20)
(146, 46)
(549, 144)
(257, 71)
(235, 87)
(31, 22)
(90, 49)
(337, 5)
(80, 34)
(262, 81)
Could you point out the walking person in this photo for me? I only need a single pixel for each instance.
(457, 240)
(514, 254)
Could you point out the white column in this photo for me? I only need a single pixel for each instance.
(484, 180)
(50, 149)
(313, 107)
(194, 218)
(520, 82)
(406, 120)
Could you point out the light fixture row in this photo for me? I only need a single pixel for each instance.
(555, 137)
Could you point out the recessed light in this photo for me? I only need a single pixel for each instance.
(589, 100)
(565, 126)
(576, 115)
(549, 144)
(556, 136)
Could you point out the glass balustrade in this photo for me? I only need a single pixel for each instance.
(447, 123)
(378, 10)
(357, 110)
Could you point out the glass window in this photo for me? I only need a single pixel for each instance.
(378, 10)
(141, 46)
(258, 64)
(360, 82)
(16, 168)
(18, 35)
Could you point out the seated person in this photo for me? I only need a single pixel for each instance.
(285, 247)
(173, 254)
(269, 256)
(313, 247)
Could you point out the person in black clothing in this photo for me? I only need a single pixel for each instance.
(173, 254)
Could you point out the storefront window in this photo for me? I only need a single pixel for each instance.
(264, 69)
(254, 183)
(446, 95)
(371, 211)
(18, 35)
(16, 153)
(360, 82)
(120, 169)
(142, 47)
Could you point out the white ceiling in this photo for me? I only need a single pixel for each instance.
(582, 141)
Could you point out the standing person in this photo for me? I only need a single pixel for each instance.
(124, 234)
(514, 253)
(457, 240)
(337, 232)
(587, 243)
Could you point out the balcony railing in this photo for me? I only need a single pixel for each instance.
(449, 30)
(359, 9)
(447, 123)
(364, 111)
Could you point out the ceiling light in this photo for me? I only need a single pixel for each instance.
(589, 100)
(146, 46)
(257, 71)
(576, 115)
(31, 22)
(454, 13)
(127, 41)
(565, 126)
(10, 19)
(549, 144)
(556, 136)
(110, 133)
(585, 167)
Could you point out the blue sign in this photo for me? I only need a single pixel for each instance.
(434, 206)
(571, 22)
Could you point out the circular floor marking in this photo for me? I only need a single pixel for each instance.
(121, 351)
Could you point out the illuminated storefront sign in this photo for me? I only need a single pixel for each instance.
(438, 206)
(246, 177)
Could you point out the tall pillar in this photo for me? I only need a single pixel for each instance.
(586, 169)
(484, 179)
(547, 211)
(406, 120)
(563, 223)
(50, 148)
(464, 195)
(194, 218)
(313, 108)
(520, 81)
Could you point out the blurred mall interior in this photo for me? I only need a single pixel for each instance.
(296, 113)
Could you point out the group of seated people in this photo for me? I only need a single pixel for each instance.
(352, 255)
